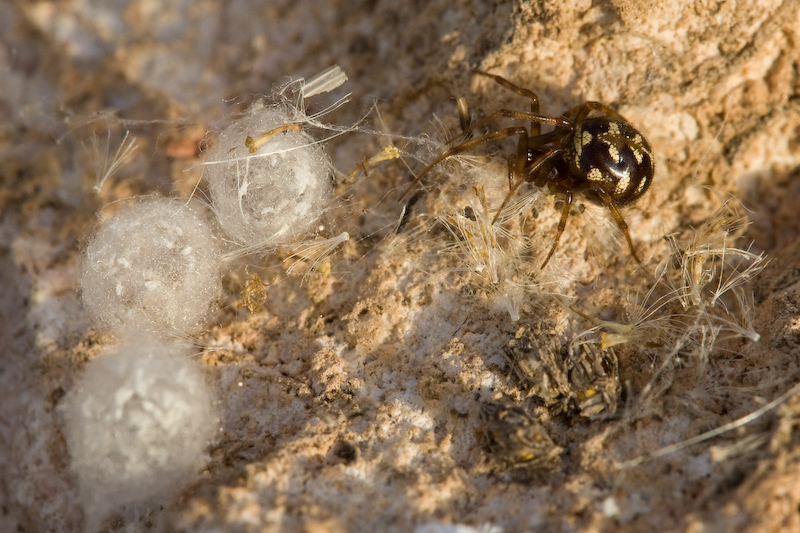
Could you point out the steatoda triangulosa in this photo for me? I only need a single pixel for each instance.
(601, 156)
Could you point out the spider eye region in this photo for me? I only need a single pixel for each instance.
(610, 155)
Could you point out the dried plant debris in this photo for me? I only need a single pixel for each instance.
(699, 300)
(540, 367)
(313, 256)
(594, 379)
(584, 378)
(707, 272)
(699, 288)
(106, 165)
(514, 438)
(254, 293)
(492, 254)
(388, 153)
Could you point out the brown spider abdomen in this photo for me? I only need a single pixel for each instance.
(609, 155)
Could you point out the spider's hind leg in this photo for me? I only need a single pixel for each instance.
(621, 224)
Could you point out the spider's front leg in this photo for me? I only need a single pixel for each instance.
(581, 111)
(522, 149)
(534, 98)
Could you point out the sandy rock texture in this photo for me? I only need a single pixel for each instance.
(356, 398)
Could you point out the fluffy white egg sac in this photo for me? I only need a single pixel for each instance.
(275, 193)
(137, 424)
(154, 267)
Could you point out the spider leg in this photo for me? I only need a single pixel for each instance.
(562, 224)
(535, 118)
(468, 145)
(581, 111)
(463, 115)
(609, 203)
(535, 126)
(512, 164)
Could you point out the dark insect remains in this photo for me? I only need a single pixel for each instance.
(516, 438)
(592, 150)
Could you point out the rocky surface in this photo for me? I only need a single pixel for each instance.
(355, 399)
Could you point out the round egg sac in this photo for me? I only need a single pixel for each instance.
(269, 180)
(153, 267)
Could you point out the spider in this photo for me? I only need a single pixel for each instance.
(603, 157)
